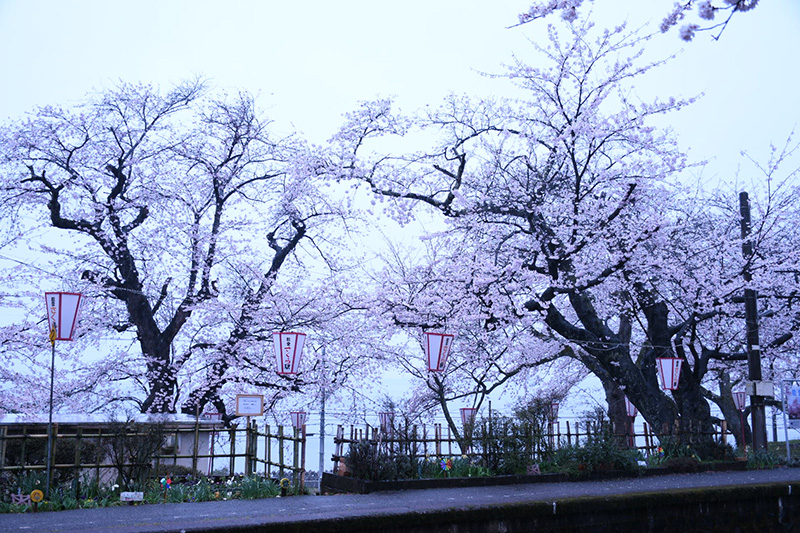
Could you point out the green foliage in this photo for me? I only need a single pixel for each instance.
(131, 448)
(256, 487)
(508, 446)
(94, 494)
(431, 467)
(597, 454)
(373, 462)
(764, 459)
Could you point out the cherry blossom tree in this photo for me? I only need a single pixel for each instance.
(193, 227)
(712, 16)
(452, 288)
(566, 192)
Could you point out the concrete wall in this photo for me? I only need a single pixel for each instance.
(757, 508)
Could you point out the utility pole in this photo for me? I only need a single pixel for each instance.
(757, 410)
(322, 422)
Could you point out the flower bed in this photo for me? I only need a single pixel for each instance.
(332, 483)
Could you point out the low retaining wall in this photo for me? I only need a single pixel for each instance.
(761, 508)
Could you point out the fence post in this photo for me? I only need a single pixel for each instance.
(196, 437)
(24, 445)
(303, 460)
(267, 451)
(295, 456)
(77, 459)
(53, 449)
(280, 449)
(253, 452)
(99, 443)
(3, 433)
(232, 463)
(211, 436)
(724, 435)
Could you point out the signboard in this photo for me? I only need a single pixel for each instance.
(249, 404)
(131, 496)
(791, 403)
(791, 410)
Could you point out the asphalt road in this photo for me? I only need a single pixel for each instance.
(248, 514)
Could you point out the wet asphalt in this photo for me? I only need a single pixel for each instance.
(270, 514)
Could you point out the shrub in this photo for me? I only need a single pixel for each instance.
(507, 446)
(598, 453)
(368, 460)
(763, 459)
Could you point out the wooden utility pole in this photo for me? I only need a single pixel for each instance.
(757, 410)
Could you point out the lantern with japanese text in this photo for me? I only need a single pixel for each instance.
(62, 314)
(298, 418)
(437, 347)
(288, 351)
(669, 368)
(739, 400)
(630, 408)
(553, 414)
(468, 416)
(387, 422)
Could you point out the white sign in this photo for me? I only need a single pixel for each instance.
(131, 496)
(249, 404)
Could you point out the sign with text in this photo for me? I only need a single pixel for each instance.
(249, 404)
(791, 403)
(131, 496)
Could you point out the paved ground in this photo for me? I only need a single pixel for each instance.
(242, 515)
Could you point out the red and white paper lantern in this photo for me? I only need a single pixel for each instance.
(62, 314)
(739, 399)
(630, 408)
(288, 351)
(437, 347)
(468, 416)
(298, 418)
(386, 421)
(669, 368)
(553, 411)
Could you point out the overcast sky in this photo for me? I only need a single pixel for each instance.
(312, 61)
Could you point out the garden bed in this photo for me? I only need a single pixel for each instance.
(332, 483)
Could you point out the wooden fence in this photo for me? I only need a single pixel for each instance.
(209, 450)
(421, 441)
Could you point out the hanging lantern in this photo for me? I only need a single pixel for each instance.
(62, 314)
(298, 418)
(437, 348)
(468, 416)
(553, 411)
(630, 408)
(669, 368)
(386, 421)
(288, 351)
(739, 399)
